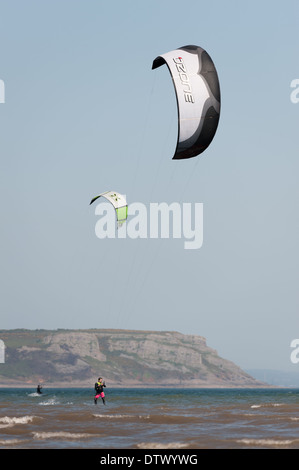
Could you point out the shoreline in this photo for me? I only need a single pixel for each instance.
(149, 386)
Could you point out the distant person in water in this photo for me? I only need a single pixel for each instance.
(39, 389)
(99, 386)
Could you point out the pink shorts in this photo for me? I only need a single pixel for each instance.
(102, 395)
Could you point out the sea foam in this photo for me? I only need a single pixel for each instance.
(11, 421)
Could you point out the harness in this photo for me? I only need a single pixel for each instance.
(98, 386)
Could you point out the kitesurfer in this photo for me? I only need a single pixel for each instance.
(39, 389)
(98, 386)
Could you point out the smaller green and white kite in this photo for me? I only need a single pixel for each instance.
(118, 201)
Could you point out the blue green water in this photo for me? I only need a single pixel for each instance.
(150, 418)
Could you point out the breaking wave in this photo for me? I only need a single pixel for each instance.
(8, 421)
(61, 435)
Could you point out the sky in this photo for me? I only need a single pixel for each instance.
(85, 113)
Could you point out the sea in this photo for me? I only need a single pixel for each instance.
(176, 420)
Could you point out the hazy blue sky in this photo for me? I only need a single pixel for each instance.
(84, 113)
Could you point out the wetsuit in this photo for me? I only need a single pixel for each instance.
(99, 391)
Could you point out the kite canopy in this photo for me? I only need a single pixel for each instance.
(118, 201)
(198, 98)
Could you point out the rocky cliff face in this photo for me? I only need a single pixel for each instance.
(123, 357)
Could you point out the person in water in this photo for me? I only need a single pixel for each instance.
(39, 389)
(99, 388)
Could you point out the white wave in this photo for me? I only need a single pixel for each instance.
(112, 416)
(49, 402)
(267, 405)
(11, 421)
(160, 445)
(266, 442)
(60, 435)
(117, 416)
(10, 442)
